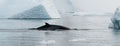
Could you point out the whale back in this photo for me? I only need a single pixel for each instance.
(48, 26)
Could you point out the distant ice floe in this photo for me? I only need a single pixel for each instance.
(81, 13)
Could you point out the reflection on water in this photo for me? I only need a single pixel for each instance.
(99, 35)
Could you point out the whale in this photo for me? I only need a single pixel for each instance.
(48, 26)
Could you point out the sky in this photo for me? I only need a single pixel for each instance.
(64, 5)
(96, 5)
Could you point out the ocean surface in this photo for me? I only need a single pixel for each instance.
(94, 32)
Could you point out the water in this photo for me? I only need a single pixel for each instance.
(98, 34)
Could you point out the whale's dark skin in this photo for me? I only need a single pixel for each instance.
(51, 27)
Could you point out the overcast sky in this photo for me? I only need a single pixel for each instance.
(96, 5)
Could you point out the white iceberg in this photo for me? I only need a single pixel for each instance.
(28, 9)
(116, 20)
(45, 10)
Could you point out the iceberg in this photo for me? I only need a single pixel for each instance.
(116, 19)
(28, 9)
(35, 12)
(45, 10)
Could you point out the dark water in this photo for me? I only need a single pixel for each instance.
(97, 35)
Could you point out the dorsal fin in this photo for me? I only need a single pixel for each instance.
(47, 23)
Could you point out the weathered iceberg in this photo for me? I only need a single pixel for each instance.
(116, 19)
(28, 9)
(44, 10)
